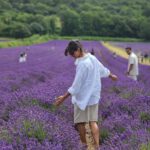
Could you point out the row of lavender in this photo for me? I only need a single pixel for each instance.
(28, 120)
(137, 47)
(125, 111)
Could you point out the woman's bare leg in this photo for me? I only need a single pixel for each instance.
(82, 132)
(95, 133)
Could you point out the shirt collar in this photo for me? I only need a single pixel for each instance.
(131, 53)
(82, 58)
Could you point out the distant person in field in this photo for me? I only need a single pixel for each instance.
(142, 58)
(133, 69)
(85, 90)
(23, 57)
(145, 56)
(114, 55)
(92, 52)
(139, 56)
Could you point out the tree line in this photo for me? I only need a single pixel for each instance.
(109, 18)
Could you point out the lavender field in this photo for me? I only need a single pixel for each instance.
(143, 48)
(28, 120)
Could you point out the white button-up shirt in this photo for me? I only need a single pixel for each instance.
(86, 87)
(133, 60)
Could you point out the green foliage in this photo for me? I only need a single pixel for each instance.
(146, 11)
(52, 24)
(55, 24)
(35, 102)
(145, 28)
(119, 129)
(87, 20)
(71, 22)
(116, 89)
(25, 18)
(17, 30)
(35, 39)
(4, 135)
(34, 129)
(2, 26)
(46, 106)
(5, 5)
(29, 8)
(145, 146)
(113, 18)
(145, 116)
(36, 28)
(104, 135)
(129, 94)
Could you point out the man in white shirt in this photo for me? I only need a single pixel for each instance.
(133, 69)
(85, 90)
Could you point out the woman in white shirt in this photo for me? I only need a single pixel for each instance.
(85, 90)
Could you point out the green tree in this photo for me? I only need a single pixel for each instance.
(55, 24)
(17, 30)
(36, 28)
(144, 30)
(87, 20)
(77, 17)
(70, 22)
(4, 5)
(52, 24)
(2, 27)
(29, 8)
(146, 11)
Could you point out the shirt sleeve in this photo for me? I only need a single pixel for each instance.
(104, 72)
(131, 60)
(81, 72)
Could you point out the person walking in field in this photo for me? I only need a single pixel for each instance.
(132, 70)
(92, 52)
(145, 57)
(85, 90)
(23, 57)
(114, 55)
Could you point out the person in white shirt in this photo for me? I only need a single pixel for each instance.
(85, 90)
(23, 57)
(132, 70)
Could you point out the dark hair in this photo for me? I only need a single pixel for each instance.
(22, 54)
(129, 48)
(72, 47)
(92, 52)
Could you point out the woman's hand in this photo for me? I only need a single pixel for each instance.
(59, 100)
(113, 77)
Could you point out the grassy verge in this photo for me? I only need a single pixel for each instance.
(26, 41)
(35, 39)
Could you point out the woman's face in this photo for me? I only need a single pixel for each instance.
(77, 53)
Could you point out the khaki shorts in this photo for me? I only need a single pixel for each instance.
(87, 115)
(133, 77)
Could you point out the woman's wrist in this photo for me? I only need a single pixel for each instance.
(66, 95)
